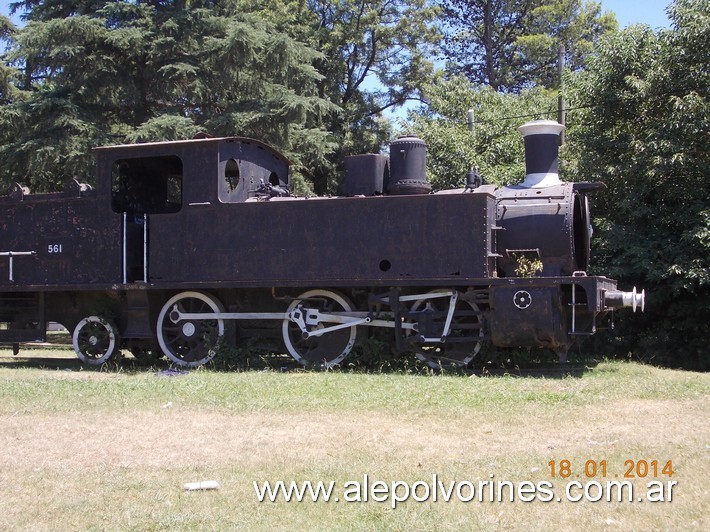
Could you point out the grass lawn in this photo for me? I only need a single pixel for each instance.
(111, 450)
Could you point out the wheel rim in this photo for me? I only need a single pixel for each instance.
(190, 342)
(466, 331)
(329, 349)
(94, 340)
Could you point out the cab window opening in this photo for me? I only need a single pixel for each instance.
(231, 174)
(147, 185)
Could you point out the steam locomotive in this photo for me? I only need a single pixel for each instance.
(185, 246)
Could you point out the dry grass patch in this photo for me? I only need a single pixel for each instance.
(112, 451)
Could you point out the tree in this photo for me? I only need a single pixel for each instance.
(375, 57)
(310, 76)
(512, 44)
(494, 147)
(643, 130)
(101, 72)
(9, 76)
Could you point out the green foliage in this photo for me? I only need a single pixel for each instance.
(495, 147)
(163, 127)
(9, 76)
(297, 74)
(375, 57)
(46, 140)
(510, 45)
(96, 73)
(644, 132)
(527, 267)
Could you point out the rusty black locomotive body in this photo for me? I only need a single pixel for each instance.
(185, 245)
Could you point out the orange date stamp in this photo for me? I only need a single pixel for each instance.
(630, 469)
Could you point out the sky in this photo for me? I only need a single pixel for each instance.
(651, 12)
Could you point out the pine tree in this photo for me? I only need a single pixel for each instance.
(9, 76)
(101, 72)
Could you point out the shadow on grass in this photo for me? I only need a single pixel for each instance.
(508, 363)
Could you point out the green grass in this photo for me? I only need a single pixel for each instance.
(111, 450)
(50, 390)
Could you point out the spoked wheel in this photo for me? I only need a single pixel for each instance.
(465, 335)
(95, 340)
(190, 342)
(329, 349)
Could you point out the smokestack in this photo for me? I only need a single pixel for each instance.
(542, 141)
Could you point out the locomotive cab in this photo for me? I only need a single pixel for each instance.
(155, 187)
(148, 178)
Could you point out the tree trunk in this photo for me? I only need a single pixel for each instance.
(488, 25)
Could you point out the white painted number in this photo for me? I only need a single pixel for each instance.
(54, 248)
